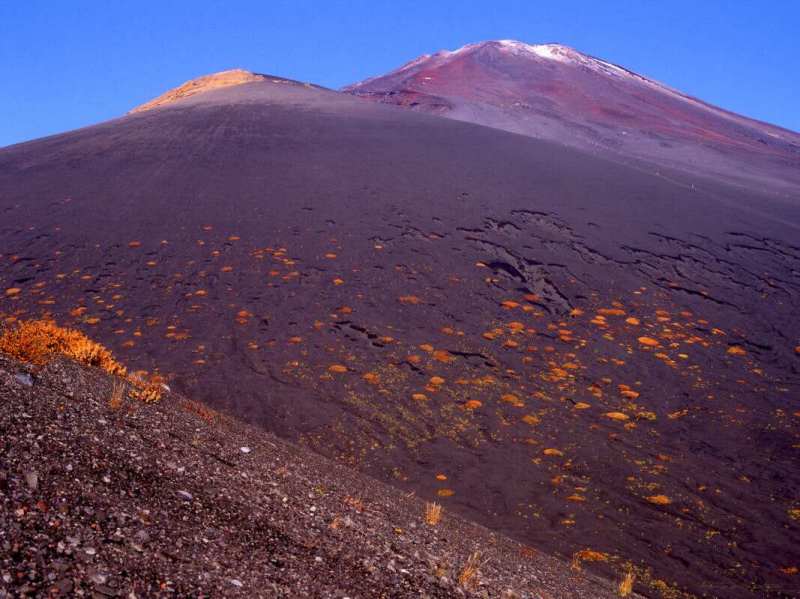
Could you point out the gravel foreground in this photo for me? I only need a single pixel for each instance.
(109, 497)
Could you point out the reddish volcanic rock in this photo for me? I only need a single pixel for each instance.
(557, 93)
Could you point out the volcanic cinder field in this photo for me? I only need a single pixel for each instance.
(579, 351)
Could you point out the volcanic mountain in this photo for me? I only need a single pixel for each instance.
(554, 92)
(589, 357)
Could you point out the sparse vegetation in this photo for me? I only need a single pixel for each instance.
(200, 410)
(587, 555)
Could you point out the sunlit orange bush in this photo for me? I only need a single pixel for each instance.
(39, 341)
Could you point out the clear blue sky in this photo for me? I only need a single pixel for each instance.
(66, 64)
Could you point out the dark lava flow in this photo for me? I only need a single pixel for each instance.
(577, 353)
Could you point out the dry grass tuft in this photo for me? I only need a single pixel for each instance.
(468, 578)
(626, 584)
(39, 341)
(433, 513)
(118, 392)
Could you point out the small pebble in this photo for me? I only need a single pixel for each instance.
(32, 480)
(245, 449)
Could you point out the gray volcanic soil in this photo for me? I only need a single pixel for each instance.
(576, 353)
(171, 499)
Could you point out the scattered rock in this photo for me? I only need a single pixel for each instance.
(23, 378)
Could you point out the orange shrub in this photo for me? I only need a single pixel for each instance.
(39, 341)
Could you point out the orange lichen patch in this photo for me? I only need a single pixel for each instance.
(611, 312)
(344, 309)
(426, 347)
(92, 320)
(473, 404)
(648, 341)
(414, 359)
(516, 326)
(12, 291)
(408, 299)
(551, 451)
(201, 293)
(79, 311)
(576, 312)
(790, 570)
(226, 268)
(441, 477)
(736, 350)
(338, 368)
(659, 499)
(627, 392)
(372, 378)
(512, 399)
(510, 343)
(338, 281)
(678, 414)
(134, 244)
(490, 335)
(330, 256)
(419, 397)
(616, 416)
(530, 418)
(797, 350)
(531, 297)
(436, 380)
(576, 497)
(295, 340)
(509, 304)
(445, 492)
(582, 405)
(794, 513)
(441, 355)
(633, 321)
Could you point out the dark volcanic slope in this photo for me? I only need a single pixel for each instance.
(577, 353)
(172, 499)
(554, 92)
